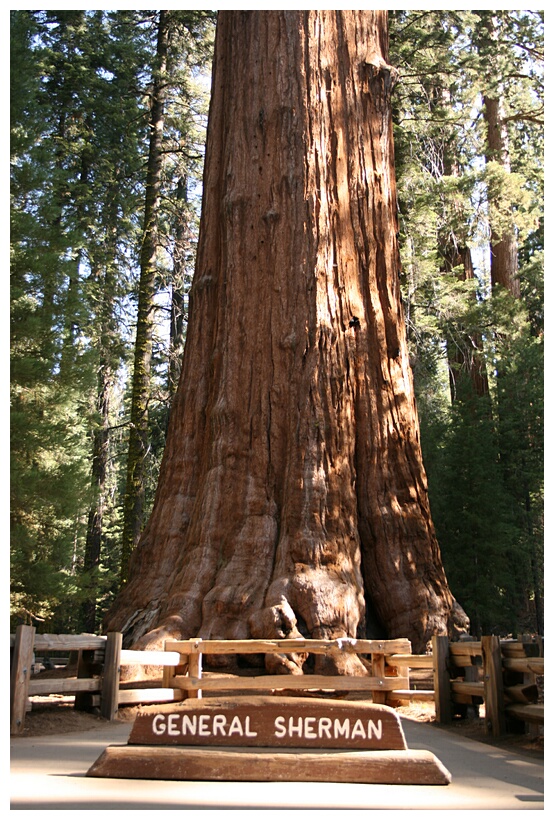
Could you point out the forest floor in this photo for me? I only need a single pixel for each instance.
(55, 714)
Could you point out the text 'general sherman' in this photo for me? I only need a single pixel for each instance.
(310, 727)
(270, 721)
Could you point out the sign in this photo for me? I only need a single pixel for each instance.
(276, 722)
(304, 740)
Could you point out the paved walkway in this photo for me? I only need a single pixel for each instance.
(49, 773)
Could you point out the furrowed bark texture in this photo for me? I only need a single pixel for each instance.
(503, 256)
(292, 488)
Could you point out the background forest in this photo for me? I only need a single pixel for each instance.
(108, 117)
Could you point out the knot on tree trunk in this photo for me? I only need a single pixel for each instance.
(377, 67)
(279, 622)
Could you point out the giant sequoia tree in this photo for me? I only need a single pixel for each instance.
(292, 499)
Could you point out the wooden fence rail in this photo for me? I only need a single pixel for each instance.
(501, 674)
(464, 673)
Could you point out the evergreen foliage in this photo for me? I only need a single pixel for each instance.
(482, 438)
(82, 85)
(79, 115)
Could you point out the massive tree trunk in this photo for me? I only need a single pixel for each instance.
(292, 491)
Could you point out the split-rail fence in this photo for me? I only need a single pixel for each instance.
(504, 675)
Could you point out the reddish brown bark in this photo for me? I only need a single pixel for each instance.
(292, 488)
(466, 361)
(504, 261)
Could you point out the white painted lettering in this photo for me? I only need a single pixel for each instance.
(203, 727)
(295, 730)
(172, 728)
(358, 730)
(247, 731)
(342, 730)
(236, 727)
(189, 724)
(324, 727)
(373, 729)
(309, 731)
(280, 729)
(285, 726)
(220, 722)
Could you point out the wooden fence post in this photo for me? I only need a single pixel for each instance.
(86, 666)
(109, 703)
(441, 679)
(195, 666)
(378, 671)
(20, 676)
(494, 689)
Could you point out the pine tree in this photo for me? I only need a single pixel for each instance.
(49, 398)
(451, 202)
(119, 55)
(169, 34)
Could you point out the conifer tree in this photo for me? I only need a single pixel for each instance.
(293, 440)
(138, 431)
(468, 115)
(451, 202)
(120, 56)
(169, 31)
(49, 396)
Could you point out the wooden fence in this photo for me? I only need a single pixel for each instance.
(464, 673)
(501, 674)
(100, 659)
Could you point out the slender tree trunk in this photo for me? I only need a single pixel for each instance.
(72, 320)
(178, 288)
(292, 489)
(466, 363)
(504, 261)
(100, 453)
(108, 362)
(138, 432)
